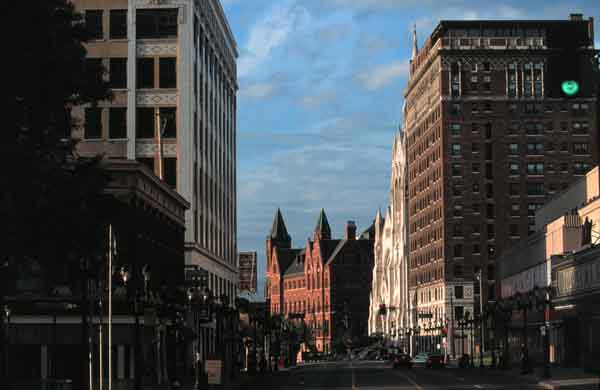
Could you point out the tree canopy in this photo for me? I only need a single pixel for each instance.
(50, 199)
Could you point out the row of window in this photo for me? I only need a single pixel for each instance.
(150, 23)
(458, 252)
(531, 128)
(146, 121)
(147, 70)
(533, 167)
(576, 109)
(457, 231)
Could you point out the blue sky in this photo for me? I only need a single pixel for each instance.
(320, 99)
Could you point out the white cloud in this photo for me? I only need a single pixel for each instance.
(259, 90)
(269, 33)
(383, 74)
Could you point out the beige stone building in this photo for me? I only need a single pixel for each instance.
(171, 65)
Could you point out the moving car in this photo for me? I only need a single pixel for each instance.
(435, 361)
(429, 360)
(401, 360)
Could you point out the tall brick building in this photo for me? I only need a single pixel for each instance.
(327, 282)
(500, 115)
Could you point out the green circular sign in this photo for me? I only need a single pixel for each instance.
(570, 87)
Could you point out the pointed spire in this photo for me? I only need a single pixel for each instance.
(278, 230)
(415, 47)
(322, 229)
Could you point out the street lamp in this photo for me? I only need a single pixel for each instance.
(126, 276)
(543, 297)
(7, 312)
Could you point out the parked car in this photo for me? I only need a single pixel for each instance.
(420, 358)
(435, 361)
(401, 360)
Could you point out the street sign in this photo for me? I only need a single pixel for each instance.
(213, 371)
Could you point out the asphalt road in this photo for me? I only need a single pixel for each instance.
(380, 376)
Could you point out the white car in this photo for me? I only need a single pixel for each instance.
(420, 358)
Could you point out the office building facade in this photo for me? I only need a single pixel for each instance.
(499, 116)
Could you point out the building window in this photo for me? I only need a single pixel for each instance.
(476, 249)
(456, 109)
(489, 190)
(474, 127)
(456, 149)
(94, 67)
(145, 123)
(458, 311)
(535, 189)
(118, 24)
(513, 168)
(513, 149)
(457, 211)
(167, 72)
(145, 72)
(489, 211)
(156, 23)
(147, 161)
(476, 188)
(487, 106)
(490, 231)
(475, 207)
(551, 146)
(488, 130)
(93, 123)
(535, 148)
(168, 122)
(117, 122)
(456, 169)
(455, 129)
(580, 168)
(514, 230)
(475, 229)
(458, 232)
(513, 189)
(536, 168)
(458, 290)
(512, 108)
(532, 207)
(564, 147)
(458, 269)
(488, 151)
(93, 24)
(515, 209)
(170, 171)
(476, 168)
(491, 251)
(489, 172)
(580, 148)
(118, 72)
(513, 128)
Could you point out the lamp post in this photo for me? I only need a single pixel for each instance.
(126, 277)
(543, 298)
(479, 277)
(7, 312)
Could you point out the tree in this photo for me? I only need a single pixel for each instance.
(50, 202)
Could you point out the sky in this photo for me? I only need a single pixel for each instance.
(320, 100)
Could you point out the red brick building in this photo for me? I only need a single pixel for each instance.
(327, 282)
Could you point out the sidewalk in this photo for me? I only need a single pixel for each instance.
(561, 378)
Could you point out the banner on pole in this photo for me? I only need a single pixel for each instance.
(247, 273)
(213, 371)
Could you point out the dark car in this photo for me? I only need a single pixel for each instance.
(434, 361)
(401, 360)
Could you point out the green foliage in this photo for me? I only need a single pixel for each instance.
(50, 203)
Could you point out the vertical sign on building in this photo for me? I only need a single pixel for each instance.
(247, 272)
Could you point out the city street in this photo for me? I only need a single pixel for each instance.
(380, 376)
